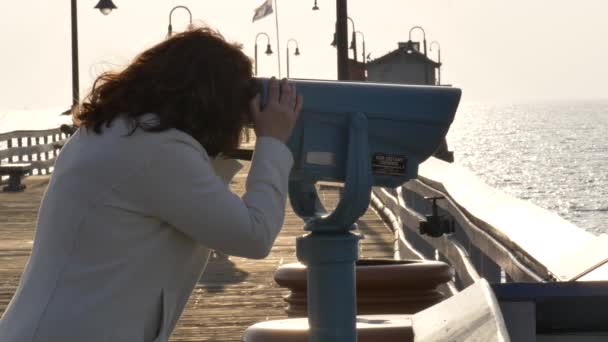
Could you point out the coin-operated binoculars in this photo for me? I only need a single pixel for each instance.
(362, 135)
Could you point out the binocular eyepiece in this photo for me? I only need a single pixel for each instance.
(404, 125)
(361, 134)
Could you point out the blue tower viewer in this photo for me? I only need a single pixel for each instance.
(361, 135)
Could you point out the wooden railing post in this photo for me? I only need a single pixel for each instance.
(20, 144)
(34, 147)
(9, 144)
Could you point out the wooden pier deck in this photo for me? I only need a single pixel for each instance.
(232, 294)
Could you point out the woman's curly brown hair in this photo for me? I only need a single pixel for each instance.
(194, 81)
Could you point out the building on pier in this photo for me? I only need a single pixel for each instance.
(404, 65)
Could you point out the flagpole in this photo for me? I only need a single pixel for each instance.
(276, 17)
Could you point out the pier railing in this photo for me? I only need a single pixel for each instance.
(489, 234)
(495, 236)
(38, 148)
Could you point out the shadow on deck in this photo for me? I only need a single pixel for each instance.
(232, 294)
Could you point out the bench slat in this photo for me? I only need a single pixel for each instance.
(26, 150)
(15, 168)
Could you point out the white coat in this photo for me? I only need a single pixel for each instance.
(125, 229)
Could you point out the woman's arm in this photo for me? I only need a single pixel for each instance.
(182, 189)
(194, 200)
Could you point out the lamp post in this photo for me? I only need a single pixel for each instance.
(297, 52)
(353, 43)
(170, 30)
(268, 51)
(341, 39)
(438, 60)
(362, 44)
(426, 72)
(105, 7)
(354, 39)
(423, 36)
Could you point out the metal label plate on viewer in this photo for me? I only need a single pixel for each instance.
(389, 164)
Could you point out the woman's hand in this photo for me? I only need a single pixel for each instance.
(280, 114)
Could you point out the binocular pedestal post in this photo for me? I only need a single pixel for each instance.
(332, 301)
(330, 250)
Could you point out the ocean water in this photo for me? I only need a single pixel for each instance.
(554, 155)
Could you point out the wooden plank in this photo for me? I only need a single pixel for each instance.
(17, 168)
(471, 315)
(232, 294)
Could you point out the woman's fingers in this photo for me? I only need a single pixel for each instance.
(294, 98)
(291, 95)
(273, 91)
(299, 104)
(285, 91)
(279, 115)
(254, 106)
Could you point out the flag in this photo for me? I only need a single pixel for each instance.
(262, 11)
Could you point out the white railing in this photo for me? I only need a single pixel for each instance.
(497, 237)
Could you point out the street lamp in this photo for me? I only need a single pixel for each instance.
(353, 44)
(438, 60)
(268, 51)
(426, 73)
(105, 6)
(423, 36)
(315, 7)
(297, 53)
(342, 39)
(354, 47)
(170, 30)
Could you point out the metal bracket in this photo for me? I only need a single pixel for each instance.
(435, 225)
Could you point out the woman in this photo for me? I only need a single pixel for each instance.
(134, 206)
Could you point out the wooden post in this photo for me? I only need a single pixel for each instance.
(342, 39)
(20, 144)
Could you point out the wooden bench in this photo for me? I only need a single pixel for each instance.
(30, 152)
(15, 171)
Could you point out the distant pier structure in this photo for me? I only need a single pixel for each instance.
(404, 65)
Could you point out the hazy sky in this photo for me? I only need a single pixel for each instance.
(495, 50)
